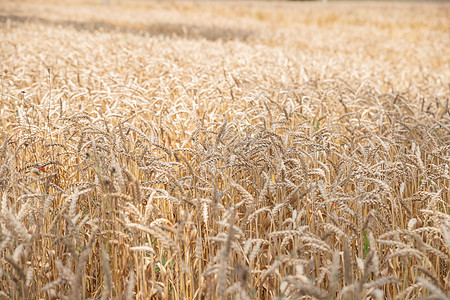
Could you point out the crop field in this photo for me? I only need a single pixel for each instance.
(224, 150)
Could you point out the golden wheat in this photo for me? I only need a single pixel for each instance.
(263, 150)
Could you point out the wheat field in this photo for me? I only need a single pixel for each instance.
(224, 150)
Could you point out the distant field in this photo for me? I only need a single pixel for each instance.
(224, 150)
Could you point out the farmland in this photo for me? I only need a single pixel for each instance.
(224, 150)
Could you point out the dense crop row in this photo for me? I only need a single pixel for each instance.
(294, 151)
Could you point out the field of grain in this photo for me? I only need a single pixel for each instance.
(224, 150)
